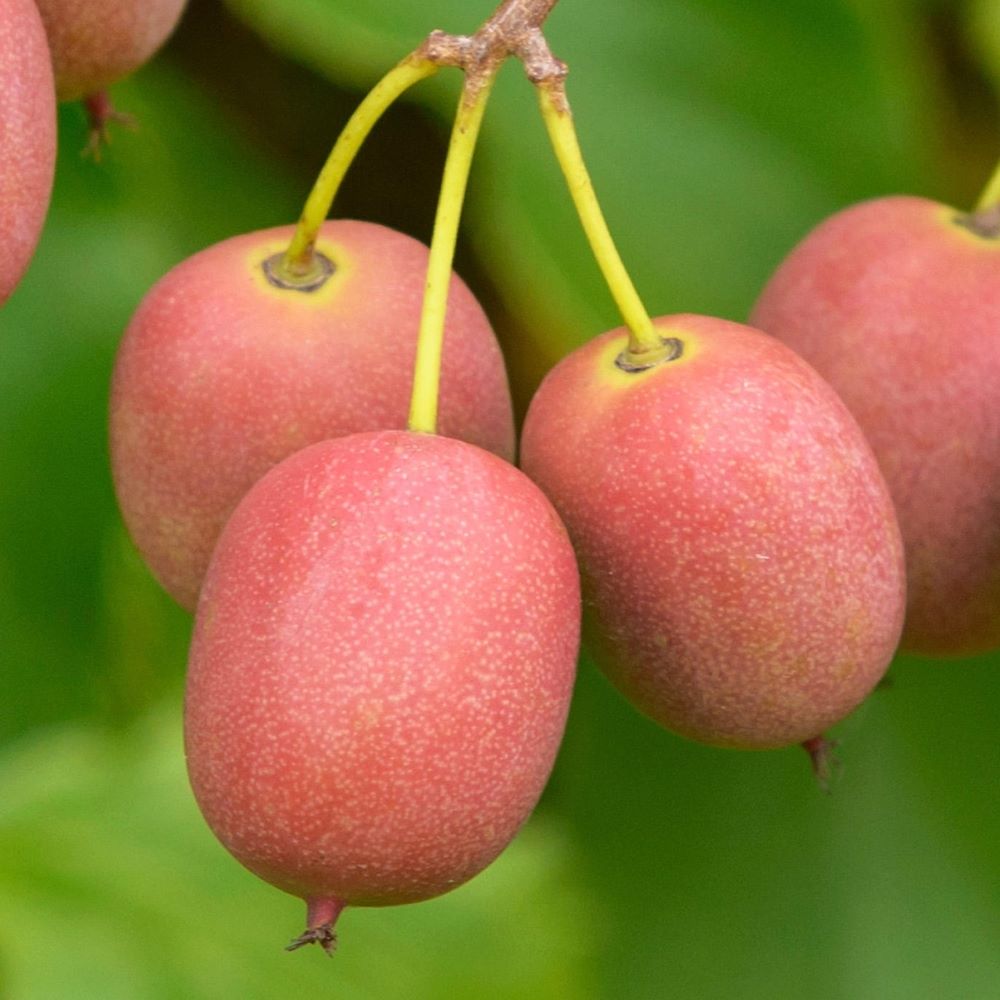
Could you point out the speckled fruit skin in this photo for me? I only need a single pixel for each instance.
(896, 304)
(27, 137)
(221, 375)
(742, 566)
(381, 668)
(97, 42)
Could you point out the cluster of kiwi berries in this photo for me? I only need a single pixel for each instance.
(59, 50)
(312, 444)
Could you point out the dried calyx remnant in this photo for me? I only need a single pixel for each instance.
(822, 756)
(322, 915)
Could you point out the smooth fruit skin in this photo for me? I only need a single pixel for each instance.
(381, 668)
(895, 302)
(27, 137)
(95, 43)
(742, 565)
(220, 375)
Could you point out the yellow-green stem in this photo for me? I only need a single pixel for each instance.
(559, 122)
(990, 198)
(427, 368)
(298, 257)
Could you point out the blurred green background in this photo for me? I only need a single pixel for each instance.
(717, 133)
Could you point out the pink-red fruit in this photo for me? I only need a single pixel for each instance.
(221, 374)
(381, 669)
(94, 43)
(895, 302)
(27, 137)
(742, 566)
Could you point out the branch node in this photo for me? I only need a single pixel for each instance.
(514, 29)
(540, 65)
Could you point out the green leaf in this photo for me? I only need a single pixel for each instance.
(726, 873)
(112, 886)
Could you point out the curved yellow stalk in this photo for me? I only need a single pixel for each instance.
(559, 123)
(298, 258)
(427, 368)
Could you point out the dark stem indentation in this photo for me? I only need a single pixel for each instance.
(278, 274)
(985, 224)
(671, 349)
